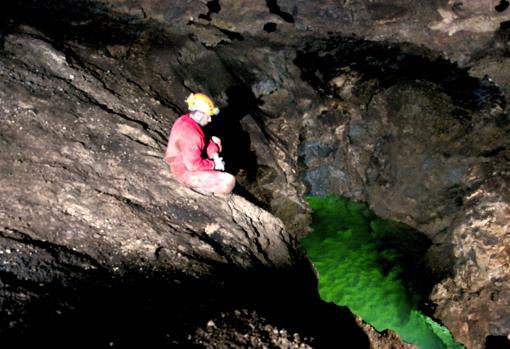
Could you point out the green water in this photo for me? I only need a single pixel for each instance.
(370, 265)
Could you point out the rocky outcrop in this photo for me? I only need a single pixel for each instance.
(425, 143)
(100, 246)
(387, 339)
(398, 104)
(87, 201)
(474, 299)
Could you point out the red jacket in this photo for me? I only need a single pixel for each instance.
(185, 147)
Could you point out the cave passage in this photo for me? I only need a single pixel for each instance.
(374, 267)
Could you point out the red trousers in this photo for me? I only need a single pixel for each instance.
(209, 181)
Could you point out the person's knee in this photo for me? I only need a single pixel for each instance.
(229, 183)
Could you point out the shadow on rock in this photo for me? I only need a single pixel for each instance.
(237, 151)
(160, 308)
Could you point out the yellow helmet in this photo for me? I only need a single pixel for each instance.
(201, 102)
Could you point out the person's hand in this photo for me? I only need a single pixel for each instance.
(216, 141)
(219, 164)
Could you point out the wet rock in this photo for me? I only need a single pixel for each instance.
(385, 340)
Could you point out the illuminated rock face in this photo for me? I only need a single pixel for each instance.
(96, 235)
(90, 89)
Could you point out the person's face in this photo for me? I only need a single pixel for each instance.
(202, 118)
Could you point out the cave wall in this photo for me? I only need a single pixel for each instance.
(424, 143)
(96, 236)
(398, 104)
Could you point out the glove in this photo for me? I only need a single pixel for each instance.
(219, 164)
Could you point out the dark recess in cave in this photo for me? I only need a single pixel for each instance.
(161, 308)
(497, 342)
(457, 6)
(273, 7)
(213, 7)
(232, 35)
(504, 25)
(270, 27)
(502, 36)
(87, 22)
(389, 65)
(411, 248)
(502, 6)
(236, 142)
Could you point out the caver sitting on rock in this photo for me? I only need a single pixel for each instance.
(185, 149)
